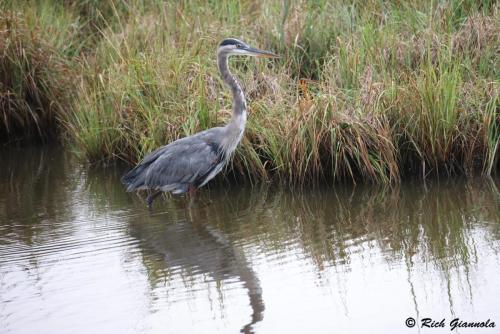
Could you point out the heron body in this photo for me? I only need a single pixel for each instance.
(190, 162)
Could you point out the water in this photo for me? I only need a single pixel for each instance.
(79, 255)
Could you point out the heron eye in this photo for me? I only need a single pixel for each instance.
(239, 46)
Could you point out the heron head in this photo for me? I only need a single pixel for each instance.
(232, 46)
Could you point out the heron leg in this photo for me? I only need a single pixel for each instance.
(151, 197)
(192, 194)
(192, 191)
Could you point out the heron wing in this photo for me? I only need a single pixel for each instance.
(177, 165)
(183, 163)
(135, 178)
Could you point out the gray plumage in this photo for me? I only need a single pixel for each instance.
(189, 163)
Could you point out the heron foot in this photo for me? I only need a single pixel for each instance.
(151, 197)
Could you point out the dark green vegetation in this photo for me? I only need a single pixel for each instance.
(365, 90)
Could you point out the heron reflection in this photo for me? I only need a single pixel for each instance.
(194, 245)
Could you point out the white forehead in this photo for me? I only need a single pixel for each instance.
(232, 46)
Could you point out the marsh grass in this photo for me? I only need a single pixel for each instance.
(33, 76)
(364, 91)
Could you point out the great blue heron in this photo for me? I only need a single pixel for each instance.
(190, 162)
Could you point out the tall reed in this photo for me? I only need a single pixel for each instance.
(364, 91)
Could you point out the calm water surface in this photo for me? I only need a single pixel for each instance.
(79, 255)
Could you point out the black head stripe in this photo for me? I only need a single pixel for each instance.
(230, 41)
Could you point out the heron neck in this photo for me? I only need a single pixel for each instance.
(239, 104)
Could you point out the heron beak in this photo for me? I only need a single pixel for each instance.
(260, 53)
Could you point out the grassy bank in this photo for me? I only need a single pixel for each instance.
(365, 90)
(34, 75)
